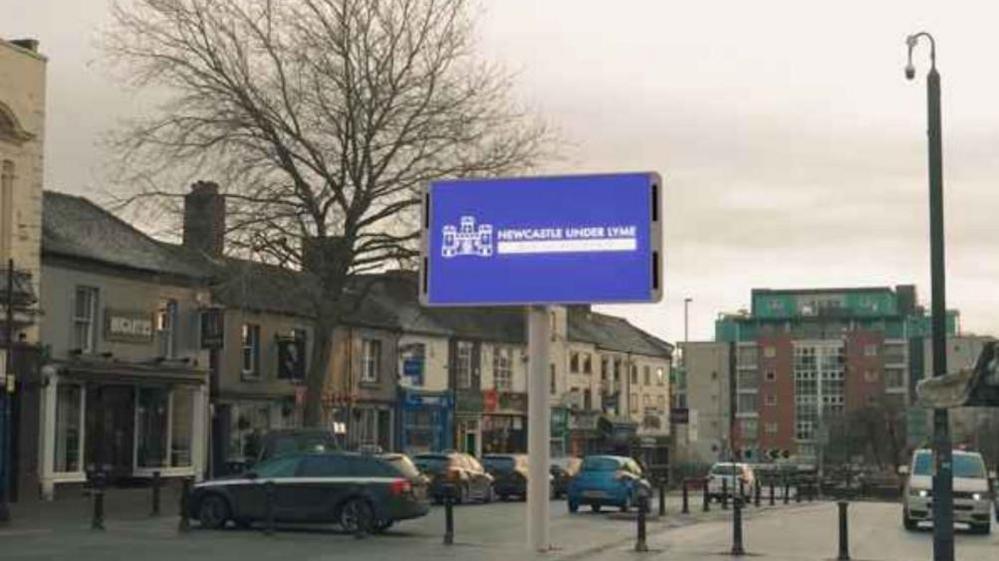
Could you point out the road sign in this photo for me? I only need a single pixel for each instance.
(542, 240)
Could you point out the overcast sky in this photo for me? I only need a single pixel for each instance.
(792, 147)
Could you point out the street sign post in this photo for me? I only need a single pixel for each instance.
(537, 242)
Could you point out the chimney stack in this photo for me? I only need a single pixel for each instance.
(204, 219)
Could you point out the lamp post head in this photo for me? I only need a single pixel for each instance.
(910, 41)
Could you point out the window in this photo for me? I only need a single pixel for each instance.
(181, 427)
(604, 367)
(587, 364)
(647, 375)
(769, 352)
(870, 350)
(502, 369)
(574, 362)
(371, 359)
(69, 429)
(152, 414)
(747, 356)
(301, 336)
(551, 379)
(633, 403)
(747, 380)
(660, 376)
(771, 428)
(770, 400)
(746, 403)
(278, 467)
(661, 402)
(771, 375)
(84, 318)
(166, 321)
(681, 400)
(894, 378)
(714, 375)
(646, 401)
(870, 376)
(251, 350)
(6, 210)
(634, 373)
(750, 428)
(463, 365)
(617, 370)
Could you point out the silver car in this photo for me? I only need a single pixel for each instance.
(972, 493)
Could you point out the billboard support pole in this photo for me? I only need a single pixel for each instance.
(539, 336)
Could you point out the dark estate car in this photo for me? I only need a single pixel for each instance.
(563, 470)
(358, 492)
(509, 473)
(464, 471)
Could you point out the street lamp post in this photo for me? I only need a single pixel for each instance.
(943, 499)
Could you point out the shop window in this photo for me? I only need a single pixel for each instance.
(181, 427)
(69, 429)
(249, 421)
(251, 350)
(371, 359)
(84, 319)
(166, 322)
(152, 409)
(463, 365)
(503, 368)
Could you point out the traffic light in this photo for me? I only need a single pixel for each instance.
(978, 387)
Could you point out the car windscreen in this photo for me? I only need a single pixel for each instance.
(499, 463)
(601, 464)
(723, 469)
(403, 465)
(431, 464)
(965, 465)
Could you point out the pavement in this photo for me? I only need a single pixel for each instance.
(806, 532)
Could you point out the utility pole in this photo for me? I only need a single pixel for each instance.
(943, 483)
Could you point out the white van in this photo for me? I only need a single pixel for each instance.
(972, 491)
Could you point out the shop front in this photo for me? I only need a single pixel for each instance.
(468, 406)
(584, 436)
(128, 420)
(559, 427)
(425, 420)
(504, 422)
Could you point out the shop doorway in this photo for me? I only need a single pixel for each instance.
(110, 429)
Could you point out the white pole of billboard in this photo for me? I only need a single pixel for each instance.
(539, 336)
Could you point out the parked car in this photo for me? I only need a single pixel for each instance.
(510, 475)
(606, 481)
(972, 492)
(563, 470)
(360, 493)
(465, 472)
(726, 476)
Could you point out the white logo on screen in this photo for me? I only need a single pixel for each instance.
(467, 239)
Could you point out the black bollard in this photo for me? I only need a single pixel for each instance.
(797, 492)
(156, 493)
(706, 507)
(844, 543)
(448, 515)
(185, 506)
(737, 527)
(269, 492)
(787, 492)
(686, 508)
(662, 497)
(643, 506)
(771, 492)
(811, 491)
(742, 490)
(758, 487)
(97, 522)
(724, 499)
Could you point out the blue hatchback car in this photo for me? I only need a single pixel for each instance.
(606, 481)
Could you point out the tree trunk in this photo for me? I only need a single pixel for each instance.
(319, 368)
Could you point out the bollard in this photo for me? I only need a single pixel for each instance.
(448, 515)
(156, 494)
(269, 492)
(706, 507)
(787, 492)
(97, 522)
(185, 505)
(811, 491)
(797, 492)
(662, 497)
(685, 509)
(742, 490)
(771, 492)
(724, 499)
(844, 544)
(758, 487)
(737, 527)
(643, 506)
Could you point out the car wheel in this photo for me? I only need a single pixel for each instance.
(573, 507)
(356, 516)
(908, 523)
(595, 508)
(213, 512)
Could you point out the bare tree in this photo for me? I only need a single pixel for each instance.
(323, 118)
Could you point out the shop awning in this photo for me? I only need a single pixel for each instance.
(113, 371)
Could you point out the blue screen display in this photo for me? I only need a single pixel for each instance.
(543, 240)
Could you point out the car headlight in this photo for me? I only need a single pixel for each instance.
(922, 493)
(976, 496)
